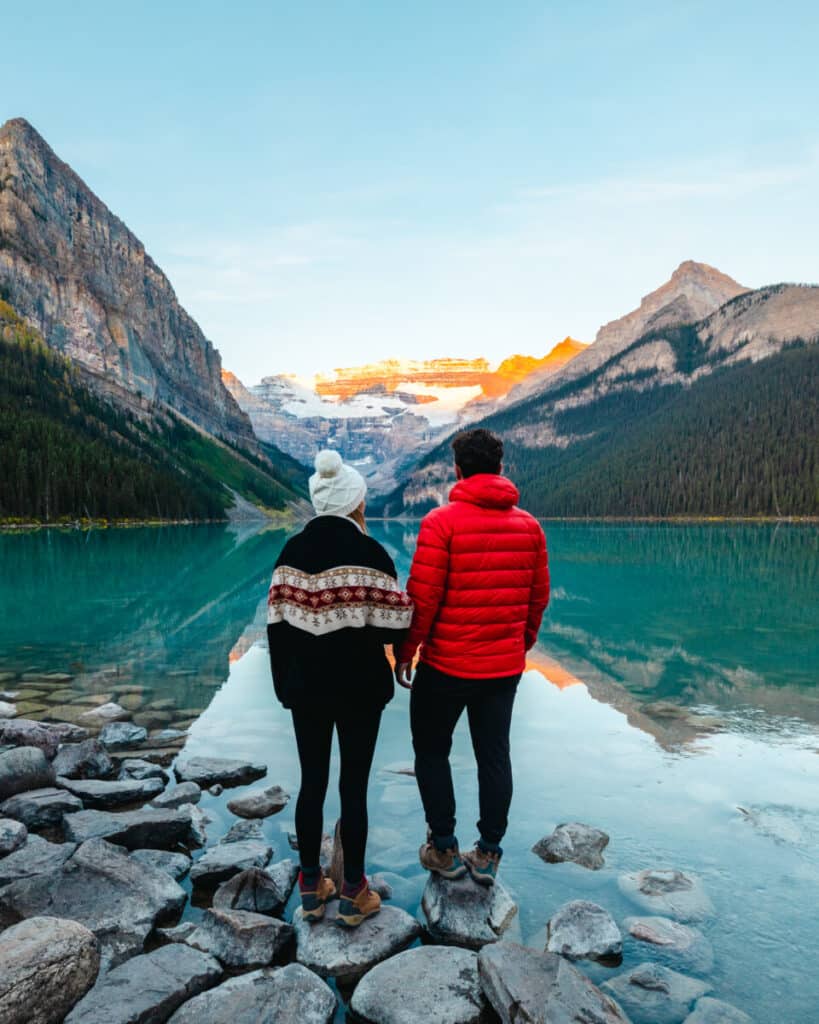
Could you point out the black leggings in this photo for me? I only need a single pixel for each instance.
(357, 732)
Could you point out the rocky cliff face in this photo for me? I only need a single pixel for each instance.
(77, 274)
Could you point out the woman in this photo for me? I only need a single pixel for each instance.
(334, 602)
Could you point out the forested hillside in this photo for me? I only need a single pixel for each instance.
(66, 452)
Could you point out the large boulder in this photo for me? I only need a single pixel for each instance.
(668, 893)
(184, 793)
(573, 841)
(335, 952)
(46, 965)
(262, 892)
(527, 987)
(462, 913)
(239, 938)
(41, 808)
(429, 983)
(147, 827)
(653, 994)
(714, 1011)
(177, 865)
(270, 996)
(147, 988)
(206, 770)
(259, 803)
(24, 768)
(86, 760)
(581, 930)
(23, 732)
(35, 856)
(100, 886)
(12, 835)
(105, 794)
(675, 944)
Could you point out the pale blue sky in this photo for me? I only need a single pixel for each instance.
(330, 183)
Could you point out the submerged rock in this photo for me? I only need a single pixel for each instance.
(47, 964)
(109, 712)
(714, 1011)
(147, 987)
(23, 732)
(239, 938)
(425, 984)
(41, 808)
(184, 793)
(335, 952)
(177, 865)
(35, 856)
(680, 944)
(653, 994)
(270, 996)
(581, 930)
(581, 844)
(145, 828)
(85, 760)
(526, 987)
(240, 831)
(262, 892)
(24, 768)
(12, 835)
(121, 735)
(259, 803)
(205, 771)
(667, 893)
(462, 913)
(107, 793)
(7, 709)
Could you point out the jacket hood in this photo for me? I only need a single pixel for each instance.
(489, 490)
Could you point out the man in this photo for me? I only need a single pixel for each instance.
(480, 584)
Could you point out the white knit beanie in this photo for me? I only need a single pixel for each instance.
(335, 488)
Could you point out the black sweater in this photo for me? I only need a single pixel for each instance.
(334, 602)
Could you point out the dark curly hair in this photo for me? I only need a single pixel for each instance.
(478, 451)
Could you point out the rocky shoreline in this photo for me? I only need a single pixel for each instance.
(100, 822)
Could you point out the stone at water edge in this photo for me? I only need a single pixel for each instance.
(7, 709)
(183, 794)
(243, 847)
(110, 712)
(668, 893)
(239, 938)
(147, 987)
(259, 803)
(41, 808)
(714, 1011)
(177, 865)
(106, 794)
(581, 930)
(205, 771)
(679, 945)
(463, 913)
(85, 760)
(67, 732)
(429, 983)
(270, 996)
(347, 954)
(24, 768)
(47, 964)
(139, 768)
(653, 994)
(122, 735)
(573, 841)
(24, 732)
(262, 892)
(216, 789)
(525, 986)
(12, 835)
(147, 827)
(35, 856)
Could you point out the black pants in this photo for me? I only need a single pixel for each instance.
(357, 732)
(436, 704)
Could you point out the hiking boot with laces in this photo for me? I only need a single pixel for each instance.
(482, 865)
(314, 898)
(352, 910)
(446, 863)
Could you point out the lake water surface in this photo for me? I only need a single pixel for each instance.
(720, 622)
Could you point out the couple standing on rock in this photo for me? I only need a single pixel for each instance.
(477, 590)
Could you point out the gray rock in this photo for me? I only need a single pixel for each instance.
(24, 768)
(139, 768)
(41, 808)
(199, 825)
(271, 996)
(68, 732)
(335, 952)
(12, 835)
(526, 987)
(109, 712)
(35, 856)
(22, 732)
(100, 886)
(184, 793)
(46, 966)
(121, 735)
(7, 709)
(573, 841)
(106, 794)
(667, 893)
(379, 884)
(217, 789)
(227, 859)
(86, 760)
(239, 938)
(168, 736)
(240, 831)
(262, 892)
(424, 984)
(179, 933)
(177, 865)
(259, 803)
(581, 930)
(653, 994)
(677, 945)
(147, 827)
(462, 913)
(714, 1011)
(205, 771)
(147, 988)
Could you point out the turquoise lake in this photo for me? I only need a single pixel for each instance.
(672, 700)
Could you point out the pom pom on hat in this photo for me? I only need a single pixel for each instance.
(335, 488)
(328, 463)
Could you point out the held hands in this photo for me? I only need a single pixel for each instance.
(403, 674)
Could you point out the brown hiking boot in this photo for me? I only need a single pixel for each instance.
(482, 865)
(352, 910)
(447, 864)
(314, 900)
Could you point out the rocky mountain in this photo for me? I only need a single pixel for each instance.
(721, 386)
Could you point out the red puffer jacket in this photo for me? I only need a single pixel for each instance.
(479, 582)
